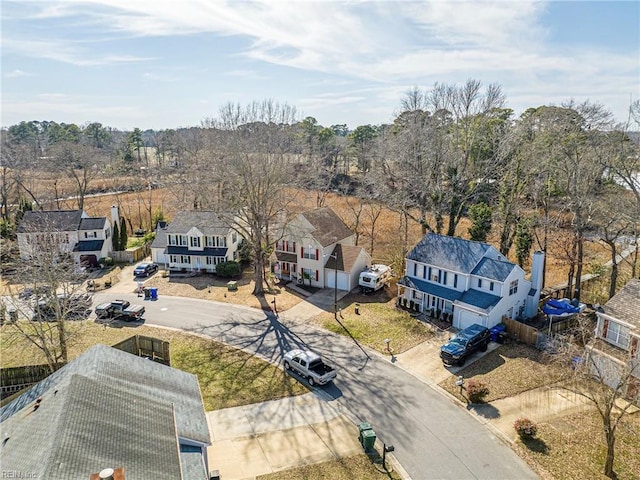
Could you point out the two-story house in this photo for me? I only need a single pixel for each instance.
(72, 232)
(316, 248)
(615, 351)
(467, 282)
(195, 242)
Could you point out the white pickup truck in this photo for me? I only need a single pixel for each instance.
(309, 365)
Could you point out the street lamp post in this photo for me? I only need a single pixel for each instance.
(335, 283)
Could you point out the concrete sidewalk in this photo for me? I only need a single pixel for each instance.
(272, 436)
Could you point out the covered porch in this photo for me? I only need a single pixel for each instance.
(432, 300)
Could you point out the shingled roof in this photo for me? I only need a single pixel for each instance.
(327, 226)
(50, 221)
(208, 222)
(345, 256)
(625, 305)
(107, 408)
(451, 253)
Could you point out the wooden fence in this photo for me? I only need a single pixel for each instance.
(131, 255)
(521, 332)
(147, 347)
(14, 379)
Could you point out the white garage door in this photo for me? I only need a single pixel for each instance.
(466, 319)
(343, 280)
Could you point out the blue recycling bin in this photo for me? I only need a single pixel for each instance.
(153, 291)
(495, 331)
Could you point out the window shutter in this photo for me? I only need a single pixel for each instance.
(634, 347)
(294, 246)
(317, 256)
(302, 252)
(317, 275)
(605, 327)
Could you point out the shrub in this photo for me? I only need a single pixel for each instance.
(228, 269)
(525, 428)
(476, 391)
(106, 261)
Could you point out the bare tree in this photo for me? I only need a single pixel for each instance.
(52, 296)
(248, 174)
(604, 375)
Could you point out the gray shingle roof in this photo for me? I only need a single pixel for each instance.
(493, 269)
(88, 246)
(106, 408)
(50, 221)
(209, 223)
(328, 227)
(161, 236)
(479, 299)
(625, 305)
(96, 223)
(430, 288)
(451, 253)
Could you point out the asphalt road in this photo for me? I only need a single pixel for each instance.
(432, 436)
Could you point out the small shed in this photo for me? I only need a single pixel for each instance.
(232, 285)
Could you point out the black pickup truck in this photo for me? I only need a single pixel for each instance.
(464, 344)
(120, 309)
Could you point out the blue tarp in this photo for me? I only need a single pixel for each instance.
(557, 307)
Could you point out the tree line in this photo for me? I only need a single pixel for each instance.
(453, 151)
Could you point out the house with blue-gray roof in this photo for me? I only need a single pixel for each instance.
(107, 409)
(467, 282)
(195, 241)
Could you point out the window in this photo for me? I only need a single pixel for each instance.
(182, 240)
(618, 334)
(208, 241)
(234, 237)
(185, 259)
(195, 242)
(90, 235)
(215, 260)
(513, 287)
(310, 253)
(173, 258)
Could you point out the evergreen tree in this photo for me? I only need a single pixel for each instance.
(122, 244)
(524, 241)
(115, 238)
(480, 216)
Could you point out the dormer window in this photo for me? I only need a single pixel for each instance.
(195, 242)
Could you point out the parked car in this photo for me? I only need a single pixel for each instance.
(464, 344)
(145, 269)
(309, 365)
(76, 306)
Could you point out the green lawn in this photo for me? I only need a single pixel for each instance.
(228, 377)
(378, 320)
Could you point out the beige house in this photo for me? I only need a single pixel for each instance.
(316, 248)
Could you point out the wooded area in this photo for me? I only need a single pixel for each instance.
(454, 161)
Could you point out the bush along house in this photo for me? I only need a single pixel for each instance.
(465, 282)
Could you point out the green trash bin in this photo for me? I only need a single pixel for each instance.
(368, 440)
(363, 427)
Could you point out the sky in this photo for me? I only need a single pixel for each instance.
(157, 64)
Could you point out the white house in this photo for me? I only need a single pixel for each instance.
(618, 337)
(318, 249)
(468, 282)
(195, 241)
(87, 239)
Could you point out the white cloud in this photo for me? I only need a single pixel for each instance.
(16, 73)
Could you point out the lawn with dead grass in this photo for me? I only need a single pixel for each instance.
(228, 377)
(356, 467)
(378, 320)
(573, 448)
(507, 371)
